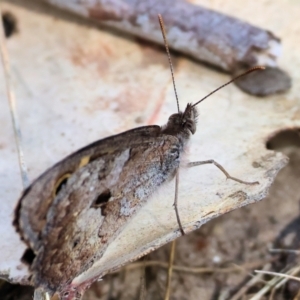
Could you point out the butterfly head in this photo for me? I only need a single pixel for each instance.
(182, 123)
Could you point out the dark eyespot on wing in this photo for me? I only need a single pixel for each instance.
(28, 256)
(61, 182)
(76, 243)
(102, 199)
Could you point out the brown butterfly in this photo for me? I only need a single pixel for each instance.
(72, 212)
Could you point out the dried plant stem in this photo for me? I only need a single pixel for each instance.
(199, 270)
(142, 279)
(284, 251)
(278, 274)
(38, 294)
(12, 106)
(275, 282)
(170, 270)
(249, 284)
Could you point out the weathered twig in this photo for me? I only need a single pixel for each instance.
(201, 33)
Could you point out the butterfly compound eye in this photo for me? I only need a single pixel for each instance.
(190, 125)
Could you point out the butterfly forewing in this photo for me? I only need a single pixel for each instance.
(74, 210)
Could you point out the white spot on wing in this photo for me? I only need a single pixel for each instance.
(119, 163)
(126, 209)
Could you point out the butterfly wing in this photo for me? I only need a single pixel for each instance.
(70, 214)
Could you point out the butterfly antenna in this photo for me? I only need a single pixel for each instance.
(232, 80)
(163, 31)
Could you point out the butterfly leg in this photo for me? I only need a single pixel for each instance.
(211, 161)
(175, 203)
(199, 163)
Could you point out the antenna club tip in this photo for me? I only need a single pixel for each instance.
(258, 68)
(253, 69)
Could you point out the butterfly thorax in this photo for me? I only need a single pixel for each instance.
(182, 124)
